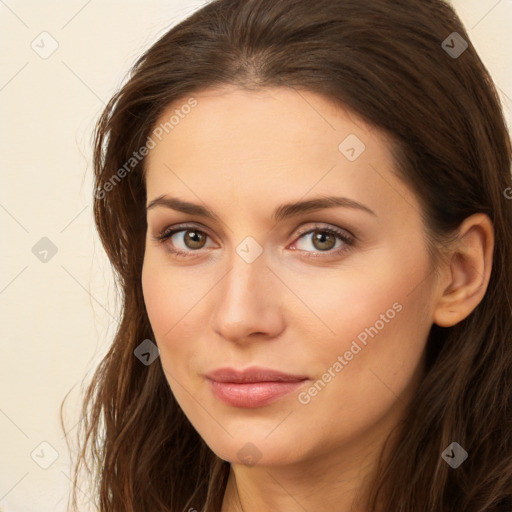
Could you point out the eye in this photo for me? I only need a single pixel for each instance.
(183, 240)
(187, 240)
(324, 240)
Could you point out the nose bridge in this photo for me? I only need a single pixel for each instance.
(246, 301)
(248, 265)
(243, 288)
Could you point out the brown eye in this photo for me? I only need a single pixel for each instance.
(323, 240)
(183, 241)
(194, 239)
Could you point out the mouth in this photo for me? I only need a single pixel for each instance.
(253, 387)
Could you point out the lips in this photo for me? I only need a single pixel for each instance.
(253, 374)
(252, 387)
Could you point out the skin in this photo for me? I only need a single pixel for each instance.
(242, 154)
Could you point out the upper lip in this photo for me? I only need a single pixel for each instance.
(252, 374)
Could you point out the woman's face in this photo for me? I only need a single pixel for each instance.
(338, 295)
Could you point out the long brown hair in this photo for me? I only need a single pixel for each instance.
(386, 61)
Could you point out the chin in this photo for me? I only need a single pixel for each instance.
(257, 451)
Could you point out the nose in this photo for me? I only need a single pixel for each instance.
(247, 302)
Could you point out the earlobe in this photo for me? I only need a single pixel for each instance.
(468, 271)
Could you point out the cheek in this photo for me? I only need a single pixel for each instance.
(169, 292)
(368, 368)
(156, 299)
(337, 304)
(174, 298)
(375, 318)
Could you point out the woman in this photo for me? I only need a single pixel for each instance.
(306, 207)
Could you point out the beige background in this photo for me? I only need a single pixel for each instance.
(58, 316)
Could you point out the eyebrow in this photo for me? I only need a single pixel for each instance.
(282, 212)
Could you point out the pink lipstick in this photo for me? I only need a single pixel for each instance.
(252, 387)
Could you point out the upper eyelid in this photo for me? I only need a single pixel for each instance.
(180, 227)
(327, 227)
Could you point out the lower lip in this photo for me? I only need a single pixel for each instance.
(253, 394)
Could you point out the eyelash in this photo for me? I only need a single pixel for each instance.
(348, 240)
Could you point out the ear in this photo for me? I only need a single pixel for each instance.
(465, 278)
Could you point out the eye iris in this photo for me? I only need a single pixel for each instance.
(320, 237)
(194, 237)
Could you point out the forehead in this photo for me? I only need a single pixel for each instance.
(268, 143)
(234, 119)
